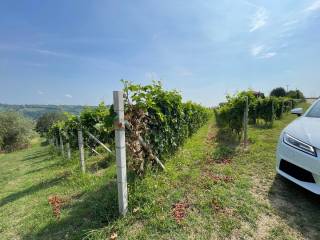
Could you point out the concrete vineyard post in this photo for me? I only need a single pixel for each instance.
(120, 152)
(68, 147)
(56, 143)
(61, 144)
(81, 150)
(68, 150)
(245, 123)
(272, 111)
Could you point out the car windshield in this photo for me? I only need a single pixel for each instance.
(315, 111)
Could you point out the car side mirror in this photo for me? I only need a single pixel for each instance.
(297, 111)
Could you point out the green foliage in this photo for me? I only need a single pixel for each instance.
(230, 114)
(158, 116)
(45, 122)
(15, 131)
(265, 109)
(97, 121)
(170, 121)
(278, 92)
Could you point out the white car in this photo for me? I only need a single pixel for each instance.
(298, 152)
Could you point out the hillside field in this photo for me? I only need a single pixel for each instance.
(212, 189)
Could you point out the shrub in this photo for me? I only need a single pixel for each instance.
(15, 131)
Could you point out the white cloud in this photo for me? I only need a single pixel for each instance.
(259, 19)
(51, 53)
(268, 55)
(256, 50)
(314, 6)
(68, 95)
(40, 92)
(262, 52)
(291, 22)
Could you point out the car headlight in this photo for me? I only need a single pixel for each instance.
(298, 144)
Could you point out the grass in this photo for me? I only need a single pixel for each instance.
(225, 193)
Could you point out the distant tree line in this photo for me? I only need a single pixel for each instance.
(281, 92)
(35, 111)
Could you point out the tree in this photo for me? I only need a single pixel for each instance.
(278, 92)
(15, 131)
(295, 94)
(45, 122)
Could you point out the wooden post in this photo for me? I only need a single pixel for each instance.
(245, 123)
(61, 144)
(81, 150)
(120, 152)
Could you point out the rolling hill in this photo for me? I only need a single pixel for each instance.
(35, 111)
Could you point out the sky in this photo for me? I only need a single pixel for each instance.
(76, 51)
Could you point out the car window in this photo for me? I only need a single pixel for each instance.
(315, 111)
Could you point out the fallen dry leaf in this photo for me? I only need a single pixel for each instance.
(114, 236)
(179, 211)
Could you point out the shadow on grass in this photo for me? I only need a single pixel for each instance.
(297, 206)
(86, 212)
(44, 143)
(36, 155)
(35, 188)
(43, 168)
(226, 143)
(262, 126)
(226, 137)
(103, 163)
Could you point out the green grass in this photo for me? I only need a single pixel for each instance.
(241, 198)
(28, 178)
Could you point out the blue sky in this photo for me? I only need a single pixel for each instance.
(75, 52)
